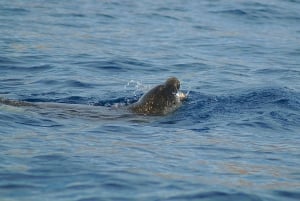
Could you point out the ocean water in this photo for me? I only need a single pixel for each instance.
(237, 137)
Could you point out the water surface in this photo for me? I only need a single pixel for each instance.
(235, 138)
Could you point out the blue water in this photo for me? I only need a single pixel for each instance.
(236, 138)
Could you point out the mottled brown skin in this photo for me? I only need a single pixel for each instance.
(159, 100)
(15, 102)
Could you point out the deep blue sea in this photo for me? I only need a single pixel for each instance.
(237, 137)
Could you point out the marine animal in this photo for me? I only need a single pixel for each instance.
(161, 99)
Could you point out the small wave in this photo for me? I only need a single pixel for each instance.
(216, 195)
(51, 157)
(4, 61)
(109, 66)
(238, 12)
(288, 194)
(14, 11)
(18, 67)
(254, 13)
(17, 187)
(170, 9)
(267, 108)
(78, 84)
(276, 71)
(68, 15)
(163, 16)
(258, 98)
(105, 16)
(204, 28)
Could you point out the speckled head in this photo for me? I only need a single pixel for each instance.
(161, 99)
(173, 84)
